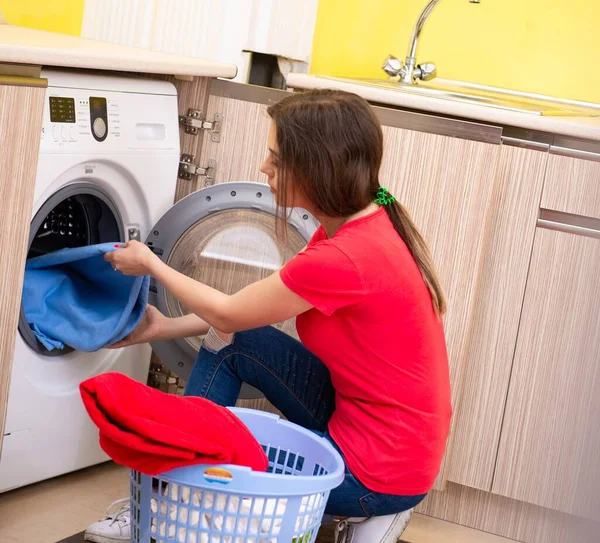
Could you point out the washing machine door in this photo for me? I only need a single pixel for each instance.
(223, 236)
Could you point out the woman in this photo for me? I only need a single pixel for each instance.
(371, 372)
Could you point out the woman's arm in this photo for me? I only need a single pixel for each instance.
(265, 302)
(182, 327)
(260, 304)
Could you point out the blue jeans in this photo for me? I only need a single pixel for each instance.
(298, 384)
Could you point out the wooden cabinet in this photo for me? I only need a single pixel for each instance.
(477, 204)
(498, 301)
(447, 186)
(572, 186)
(550, 443)
(20, 125)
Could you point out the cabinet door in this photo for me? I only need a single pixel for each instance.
(447, 185)
(550, 442)
(20, 125)
(498, 301)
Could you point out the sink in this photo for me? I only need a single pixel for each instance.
(484, 96)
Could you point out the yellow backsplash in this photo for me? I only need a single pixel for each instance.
(62, 16)
(544, 46)
(548, 47)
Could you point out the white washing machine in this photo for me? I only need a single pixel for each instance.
(107, 171)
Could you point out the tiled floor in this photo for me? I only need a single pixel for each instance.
(53, 510)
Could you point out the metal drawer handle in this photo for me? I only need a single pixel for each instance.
(570, 223)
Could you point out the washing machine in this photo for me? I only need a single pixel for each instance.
(107, 171)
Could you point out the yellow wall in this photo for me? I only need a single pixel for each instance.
(545, 46)
(55, 15)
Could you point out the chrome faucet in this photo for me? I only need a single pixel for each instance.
(410, 71)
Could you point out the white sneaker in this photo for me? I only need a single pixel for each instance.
(385, 529)
(114, 528)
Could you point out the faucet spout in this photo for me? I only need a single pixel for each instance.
(410, 71)
(416, 33)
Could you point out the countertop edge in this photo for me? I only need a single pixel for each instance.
(19, 45)
(587, 128)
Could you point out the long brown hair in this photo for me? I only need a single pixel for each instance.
(330, 149)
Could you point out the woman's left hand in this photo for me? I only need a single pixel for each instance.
(133, 258)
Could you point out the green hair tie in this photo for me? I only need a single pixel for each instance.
(383, 197)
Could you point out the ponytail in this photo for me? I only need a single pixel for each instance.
(413, 239)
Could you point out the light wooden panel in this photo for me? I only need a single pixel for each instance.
(243, 144)
(446, 184)
(190, 94)
(572, 186)
(20, 126)
(550, 443)
(506, 517)
(239, 154)
(498, 302)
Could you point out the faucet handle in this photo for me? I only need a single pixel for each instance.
(392, 66)
(426, 71)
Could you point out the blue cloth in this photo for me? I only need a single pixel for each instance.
(74, 297)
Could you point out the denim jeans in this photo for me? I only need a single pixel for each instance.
(298, 384)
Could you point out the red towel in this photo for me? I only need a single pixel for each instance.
(153, 432)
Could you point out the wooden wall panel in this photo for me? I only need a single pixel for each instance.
(506, 517)
(573, 186)
(496, 315)
(550, 443)
(20, 125)
(446, 184)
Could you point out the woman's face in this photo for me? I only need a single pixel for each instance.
(270, 168)
(271, 162)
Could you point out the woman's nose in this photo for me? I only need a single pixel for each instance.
(266, 169)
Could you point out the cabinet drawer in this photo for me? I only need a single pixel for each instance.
(572, 186)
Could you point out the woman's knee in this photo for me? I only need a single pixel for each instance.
(215, 341)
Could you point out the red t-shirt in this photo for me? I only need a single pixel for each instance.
(374, 326)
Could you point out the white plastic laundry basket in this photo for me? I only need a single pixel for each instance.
(233, 504)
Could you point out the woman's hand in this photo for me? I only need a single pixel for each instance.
(149, 328)
(133, 258)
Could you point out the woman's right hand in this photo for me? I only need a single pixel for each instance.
(148, 329)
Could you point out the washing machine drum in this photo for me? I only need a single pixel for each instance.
(78, 215)
(223, 236)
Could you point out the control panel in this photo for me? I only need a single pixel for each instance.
(106, 121)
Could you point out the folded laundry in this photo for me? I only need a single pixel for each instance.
(193, 516)
(74, 297)
(153, 432)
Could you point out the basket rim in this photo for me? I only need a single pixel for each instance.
(292, 485)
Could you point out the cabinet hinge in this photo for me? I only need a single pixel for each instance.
(187, 169)
(195, 121)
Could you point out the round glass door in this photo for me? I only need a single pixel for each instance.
(228, 251)
(223, 236)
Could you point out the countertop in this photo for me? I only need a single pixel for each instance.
(586, 128)
(19, 45)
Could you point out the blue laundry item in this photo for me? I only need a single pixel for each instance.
(74, 297)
